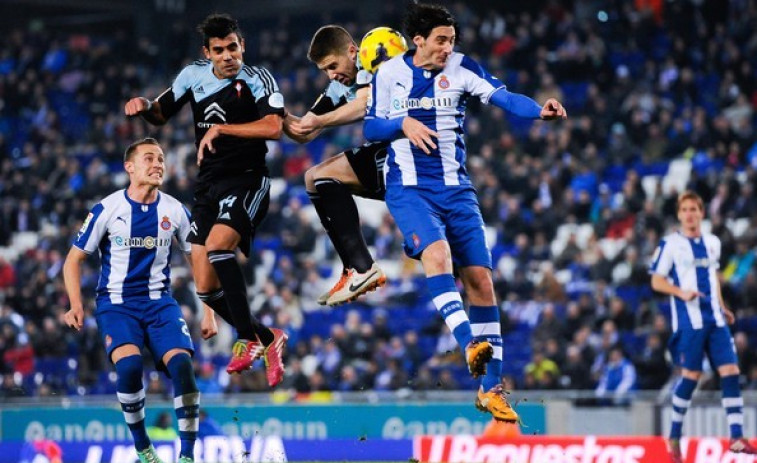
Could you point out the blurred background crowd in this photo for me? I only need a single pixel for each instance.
(660, 97)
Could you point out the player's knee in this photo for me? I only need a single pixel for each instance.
(310, 178)
(728, 370)
(129, 367)
(481, 287)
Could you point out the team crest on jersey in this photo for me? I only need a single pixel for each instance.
(416, 241)
(443, 82)
(165, 224)
(238, 86)
(108, 340)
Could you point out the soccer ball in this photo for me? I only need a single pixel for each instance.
(380, 44)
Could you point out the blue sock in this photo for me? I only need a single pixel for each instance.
(733, 404)
(131, 395)
(448, 302)
(485, 326)
(186, 401)
(681, 401)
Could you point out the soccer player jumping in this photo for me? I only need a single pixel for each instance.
(236, 109)
(418, 103)
(685, 267)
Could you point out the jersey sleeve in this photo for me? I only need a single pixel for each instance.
(378, 100)
(266, 92)
(177, 94)
(478, 81)
(92, 230)
(328, 101)
(182, 231)
(662, 260)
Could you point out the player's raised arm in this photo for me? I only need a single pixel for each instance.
(146, 109)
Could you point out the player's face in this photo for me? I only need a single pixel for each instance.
(226, 55)
(690, 215)
(341, 67)
(434, 51)
(147, 166)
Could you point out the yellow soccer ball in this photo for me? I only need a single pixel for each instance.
(378, 45)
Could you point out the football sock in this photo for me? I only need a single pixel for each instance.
(186, 401)
(484, 322)
(681, 401)
(733, 404)
(340, 209)
(448, 302)
(215, 300)
(328, 225)
(131, 396)
(235, 292)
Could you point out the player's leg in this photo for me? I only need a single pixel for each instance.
(170, 343)
(186, 399)
(419, 218)
(330, 186)
(124, 339)
(465, 230)
(687, 349)
(204, 213)
(243, 203)
(722, 353)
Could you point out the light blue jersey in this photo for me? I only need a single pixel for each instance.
(134, 242)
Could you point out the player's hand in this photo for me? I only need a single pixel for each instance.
(310, 123)
(419, 135)
(74, 318)
(208, 325)
(136, 105)
(207, 143)
(688, 295)
(552, 110)
(730, 318)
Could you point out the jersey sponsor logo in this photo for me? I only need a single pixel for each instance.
(423, 103)
(165, 224)
(276, 100)
(193, 228)
(148, 242)
(443, 82)
(86, 223)
(215, 110)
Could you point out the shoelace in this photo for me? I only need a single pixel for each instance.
(239, 348)
(151, 456)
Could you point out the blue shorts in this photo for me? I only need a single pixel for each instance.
(426, 215)
(159, 325)
(689, 346)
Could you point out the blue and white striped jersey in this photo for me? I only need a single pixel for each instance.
(438, 100)
(691, 264)
(134, 241)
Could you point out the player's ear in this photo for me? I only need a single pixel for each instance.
(352, 51)
(206, 52)
(241, 45)
(419, 40)
(129, 167)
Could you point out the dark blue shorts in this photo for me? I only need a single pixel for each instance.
(157, 325)
(688, 347)
(425, 215)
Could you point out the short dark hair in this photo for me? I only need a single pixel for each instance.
(422, 18)
(133, 147)
(218, 25)
(329, 40)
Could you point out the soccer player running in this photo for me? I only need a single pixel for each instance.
(236, 109)
(133, 229)
(685, 267)
(418, 102)
(330, 184)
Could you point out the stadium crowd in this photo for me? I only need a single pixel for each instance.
(660, 98)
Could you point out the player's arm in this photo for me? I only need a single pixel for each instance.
(730, 317)
(270, 127)
(345, 114)
(662, 264)
(664, 286)
(146, 109)
(72, 279)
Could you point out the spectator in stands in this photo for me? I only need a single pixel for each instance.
(617, 379)
(651, 365)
